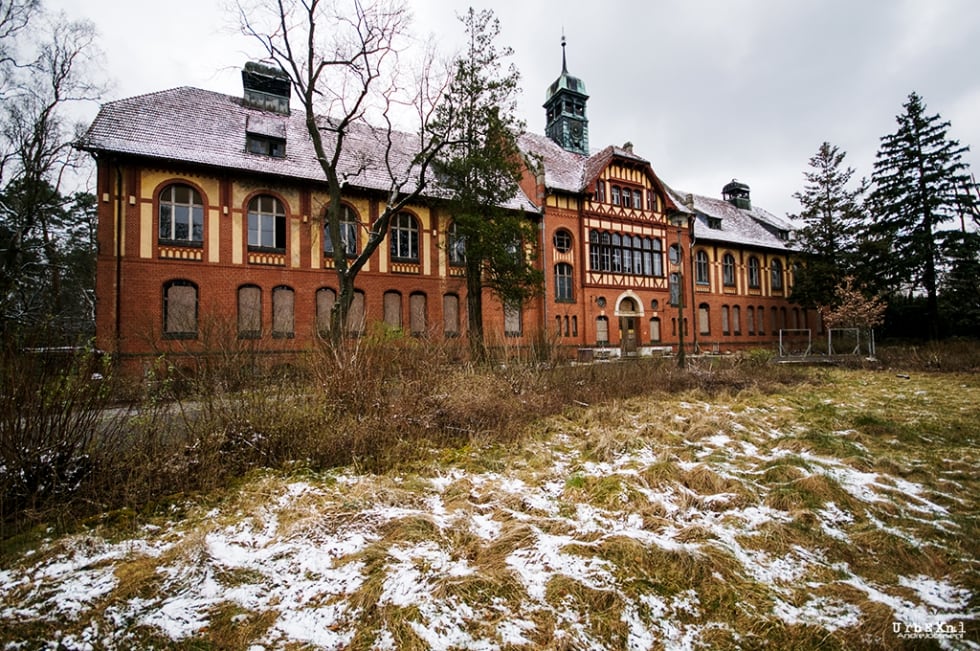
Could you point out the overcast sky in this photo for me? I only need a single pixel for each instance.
(707, 90)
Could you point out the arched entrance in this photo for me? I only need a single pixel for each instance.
(629, 311)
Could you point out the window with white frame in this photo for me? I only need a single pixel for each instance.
(405, 238)
(563, 282)
(348, 232)
(701, 268)
(181, 215)
(728, 270)
(266, 223)
(753, 273)
(776, 275)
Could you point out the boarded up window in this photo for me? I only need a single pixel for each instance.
(655, 329)
(704, 324)
(393, 309)
(180, 309)
(725, 327)
(602, 330)
(355, 316)
(417, 314)
(750, 319)
(450, 315)
(282, 312)
(325, 299)
(249, 312)
(737, 320)
(512, 321)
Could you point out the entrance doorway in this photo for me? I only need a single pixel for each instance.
(628, 325)
(629, 319)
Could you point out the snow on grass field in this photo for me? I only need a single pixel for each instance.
(840, 516)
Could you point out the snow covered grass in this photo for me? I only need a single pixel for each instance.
(842, 515)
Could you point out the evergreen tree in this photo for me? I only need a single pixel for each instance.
(959, 293)
(481, 165)
(920, 183)
(833, 216)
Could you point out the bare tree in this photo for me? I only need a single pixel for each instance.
(36, 139)
(346, 61)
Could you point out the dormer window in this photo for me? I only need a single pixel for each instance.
(265, 146)
(265, 135)
(714, 223)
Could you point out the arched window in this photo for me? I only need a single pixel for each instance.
(179, 310)
(726, 328)
(736, 320)
(456, 246)
(655, 330)
(701, 268)
(393, 309)
(348, 232)
(417, 315)
(728, 270)
(266, 223)
(753, 273)
(356, 314)
(450, 315)
(563, 282)
(283, 316)
(750, 319)
(513, 321)
(249, 312)
(704, 322)
(325, 299)
(181, 216)
(563, 241)
(674, 287)
(602, 330)
(404, 238)
(760, 320)
(776, 273)
(600, 191)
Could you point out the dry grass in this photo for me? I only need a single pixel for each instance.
(800, 518)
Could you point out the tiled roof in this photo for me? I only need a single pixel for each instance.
(207, 128)
(755, 227)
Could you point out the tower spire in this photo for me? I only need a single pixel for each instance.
(566, 122)
(564, 65)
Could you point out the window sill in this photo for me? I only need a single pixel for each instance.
(180, 335)
(190, 244)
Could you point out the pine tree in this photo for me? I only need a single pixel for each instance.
(959, 292)
(481, 165)
(833, 216)
(919, 184)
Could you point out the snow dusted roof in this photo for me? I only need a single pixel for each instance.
(755, 227)
(207, 128)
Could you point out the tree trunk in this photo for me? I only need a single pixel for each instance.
(474, 309)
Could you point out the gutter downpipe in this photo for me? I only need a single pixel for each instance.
(117, 293)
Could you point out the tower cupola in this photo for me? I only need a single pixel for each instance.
(567, 123)
(737, 194)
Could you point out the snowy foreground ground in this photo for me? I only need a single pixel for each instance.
(644, 525)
